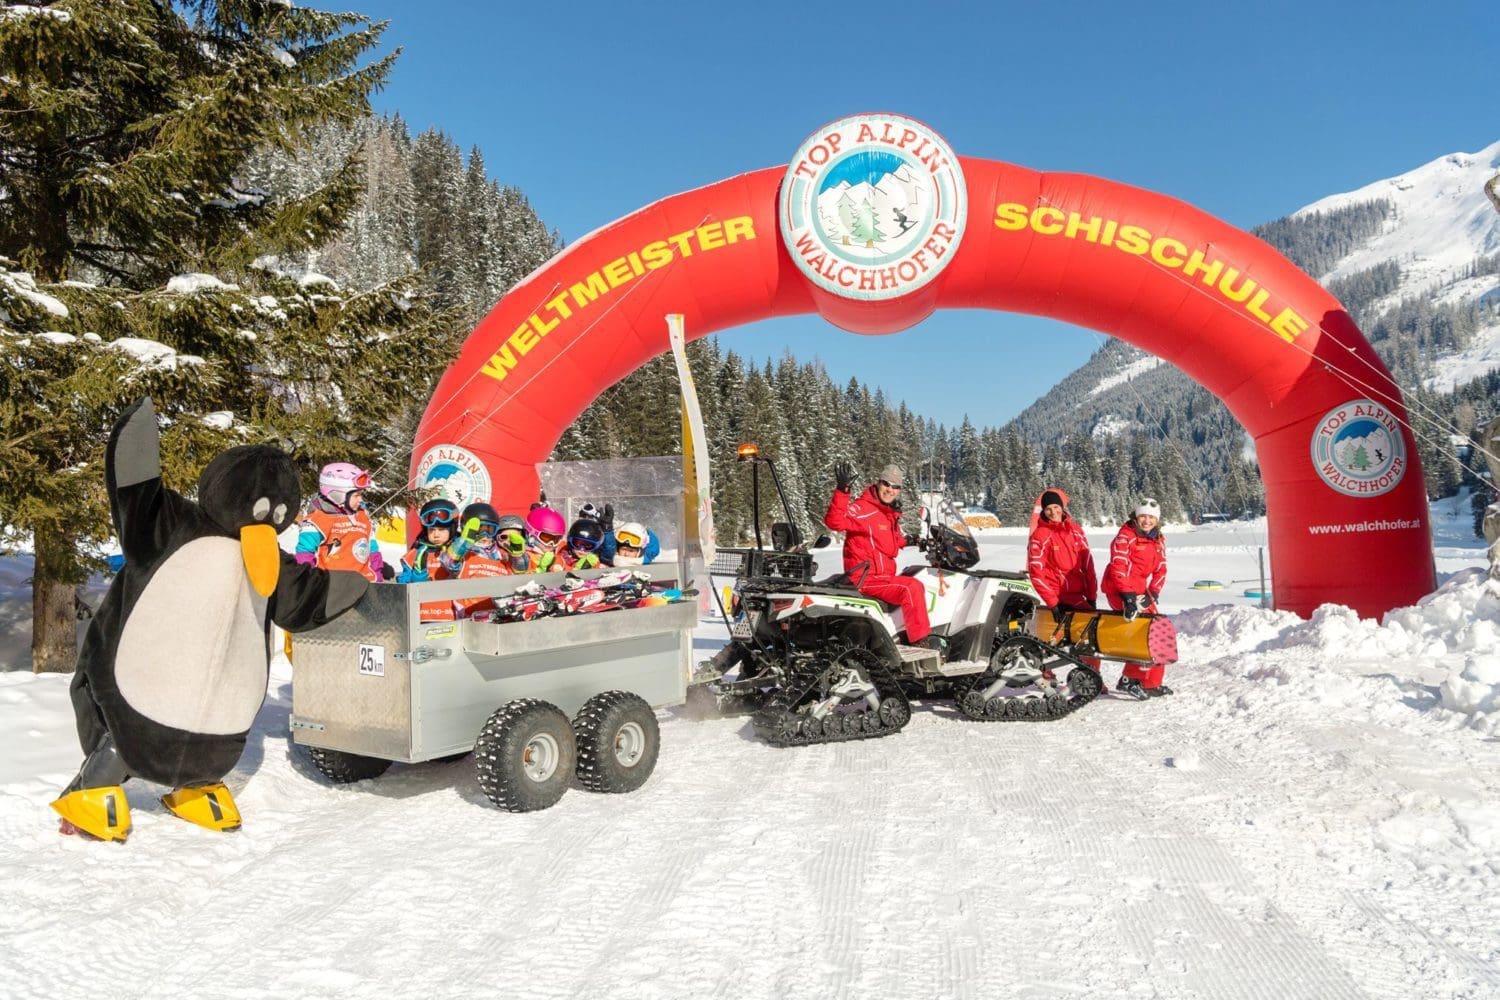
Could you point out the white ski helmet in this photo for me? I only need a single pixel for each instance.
(338, 480)
(633, 534)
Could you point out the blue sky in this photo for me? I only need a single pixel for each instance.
(1248, 111)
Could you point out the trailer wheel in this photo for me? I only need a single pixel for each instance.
(342, 768)
(618, 742)
(525, 755)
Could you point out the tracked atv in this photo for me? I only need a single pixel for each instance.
(819, 662)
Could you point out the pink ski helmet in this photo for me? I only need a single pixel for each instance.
(338, 480)
(546, 526)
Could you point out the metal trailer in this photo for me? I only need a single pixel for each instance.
(538, 701)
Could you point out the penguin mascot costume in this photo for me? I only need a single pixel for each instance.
(174, 666)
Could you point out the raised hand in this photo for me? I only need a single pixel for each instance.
(843, 475)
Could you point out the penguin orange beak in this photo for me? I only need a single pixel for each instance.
(262, 557)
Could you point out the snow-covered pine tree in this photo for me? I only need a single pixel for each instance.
(124, 131)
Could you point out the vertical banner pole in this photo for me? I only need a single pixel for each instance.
(697, 501)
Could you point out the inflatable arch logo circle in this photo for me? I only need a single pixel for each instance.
(456, 473)
(873, 206)
(1358, 449)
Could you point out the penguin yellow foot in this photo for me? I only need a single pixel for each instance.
(209, 806)
(99, 812)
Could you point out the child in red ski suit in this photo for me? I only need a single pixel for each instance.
(872, 528)
(1132, 582)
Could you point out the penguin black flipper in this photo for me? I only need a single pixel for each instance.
(143, 510)
(307, 597)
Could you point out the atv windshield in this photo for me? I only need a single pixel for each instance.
(952, 545)
(943, 512)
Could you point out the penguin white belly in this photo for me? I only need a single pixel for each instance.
(192, 652)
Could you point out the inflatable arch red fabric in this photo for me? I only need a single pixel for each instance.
(1347, 507)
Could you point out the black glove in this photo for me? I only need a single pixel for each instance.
(607, 519)
(843, 475)
(912, 538)
(1130, 605)
(387, 572)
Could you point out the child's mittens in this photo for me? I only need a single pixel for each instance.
(545, 563)
(587, 561)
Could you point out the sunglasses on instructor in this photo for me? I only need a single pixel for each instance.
(890, 486)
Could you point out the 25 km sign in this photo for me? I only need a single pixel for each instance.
(372, 660)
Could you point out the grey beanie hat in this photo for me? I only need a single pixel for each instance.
(893, 475)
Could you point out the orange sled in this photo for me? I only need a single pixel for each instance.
(1145, 639)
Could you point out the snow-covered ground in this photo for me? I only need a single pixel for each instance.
(1316, 813)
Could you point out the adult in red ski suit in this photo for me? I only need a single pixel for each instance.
(872, 537)
(1057, 556)
(1132, 583)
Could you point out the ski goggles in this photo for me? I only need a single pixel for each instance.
(489, 528)
(583, 544)
(629, 540)
(513, 539)
(440, 518)
(548, 538)
(361, 481)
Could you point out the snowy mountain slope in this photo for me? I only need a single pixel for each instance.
(1443, 221)
(1442, 224)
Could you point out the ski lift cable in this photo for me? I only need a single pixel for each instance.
(1354, 381)
(444, 426)
(1419, 409)
(1199, 494)
(493, 411)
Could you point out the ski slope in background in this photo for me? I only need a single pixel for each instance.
(1316, 813)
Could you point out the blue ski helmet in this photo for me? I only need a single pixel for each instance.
(438, 513)
(585, 535)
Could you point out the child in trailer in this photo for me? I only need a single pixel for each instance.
(478, 547)
(479, 555)
(548, 537)
(585, 539)
(1132, 583)
(336, 533)
(633, 545)
(511, 538)
(431, 555)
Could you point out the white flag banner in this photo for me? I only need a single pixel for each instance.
(695, 440)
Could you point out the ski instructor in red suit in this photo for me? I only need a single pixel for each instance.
(872, 530)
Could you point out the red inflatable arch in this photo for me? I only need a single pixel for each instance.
(876, 223)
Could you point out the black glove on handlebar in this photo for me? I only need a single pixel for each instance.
(913, 538)
(843, 475)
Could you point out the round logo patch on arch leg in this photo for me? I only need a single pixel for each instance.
(1358, 449)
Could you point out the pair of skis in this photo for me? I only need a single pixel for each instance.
(577, 596)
